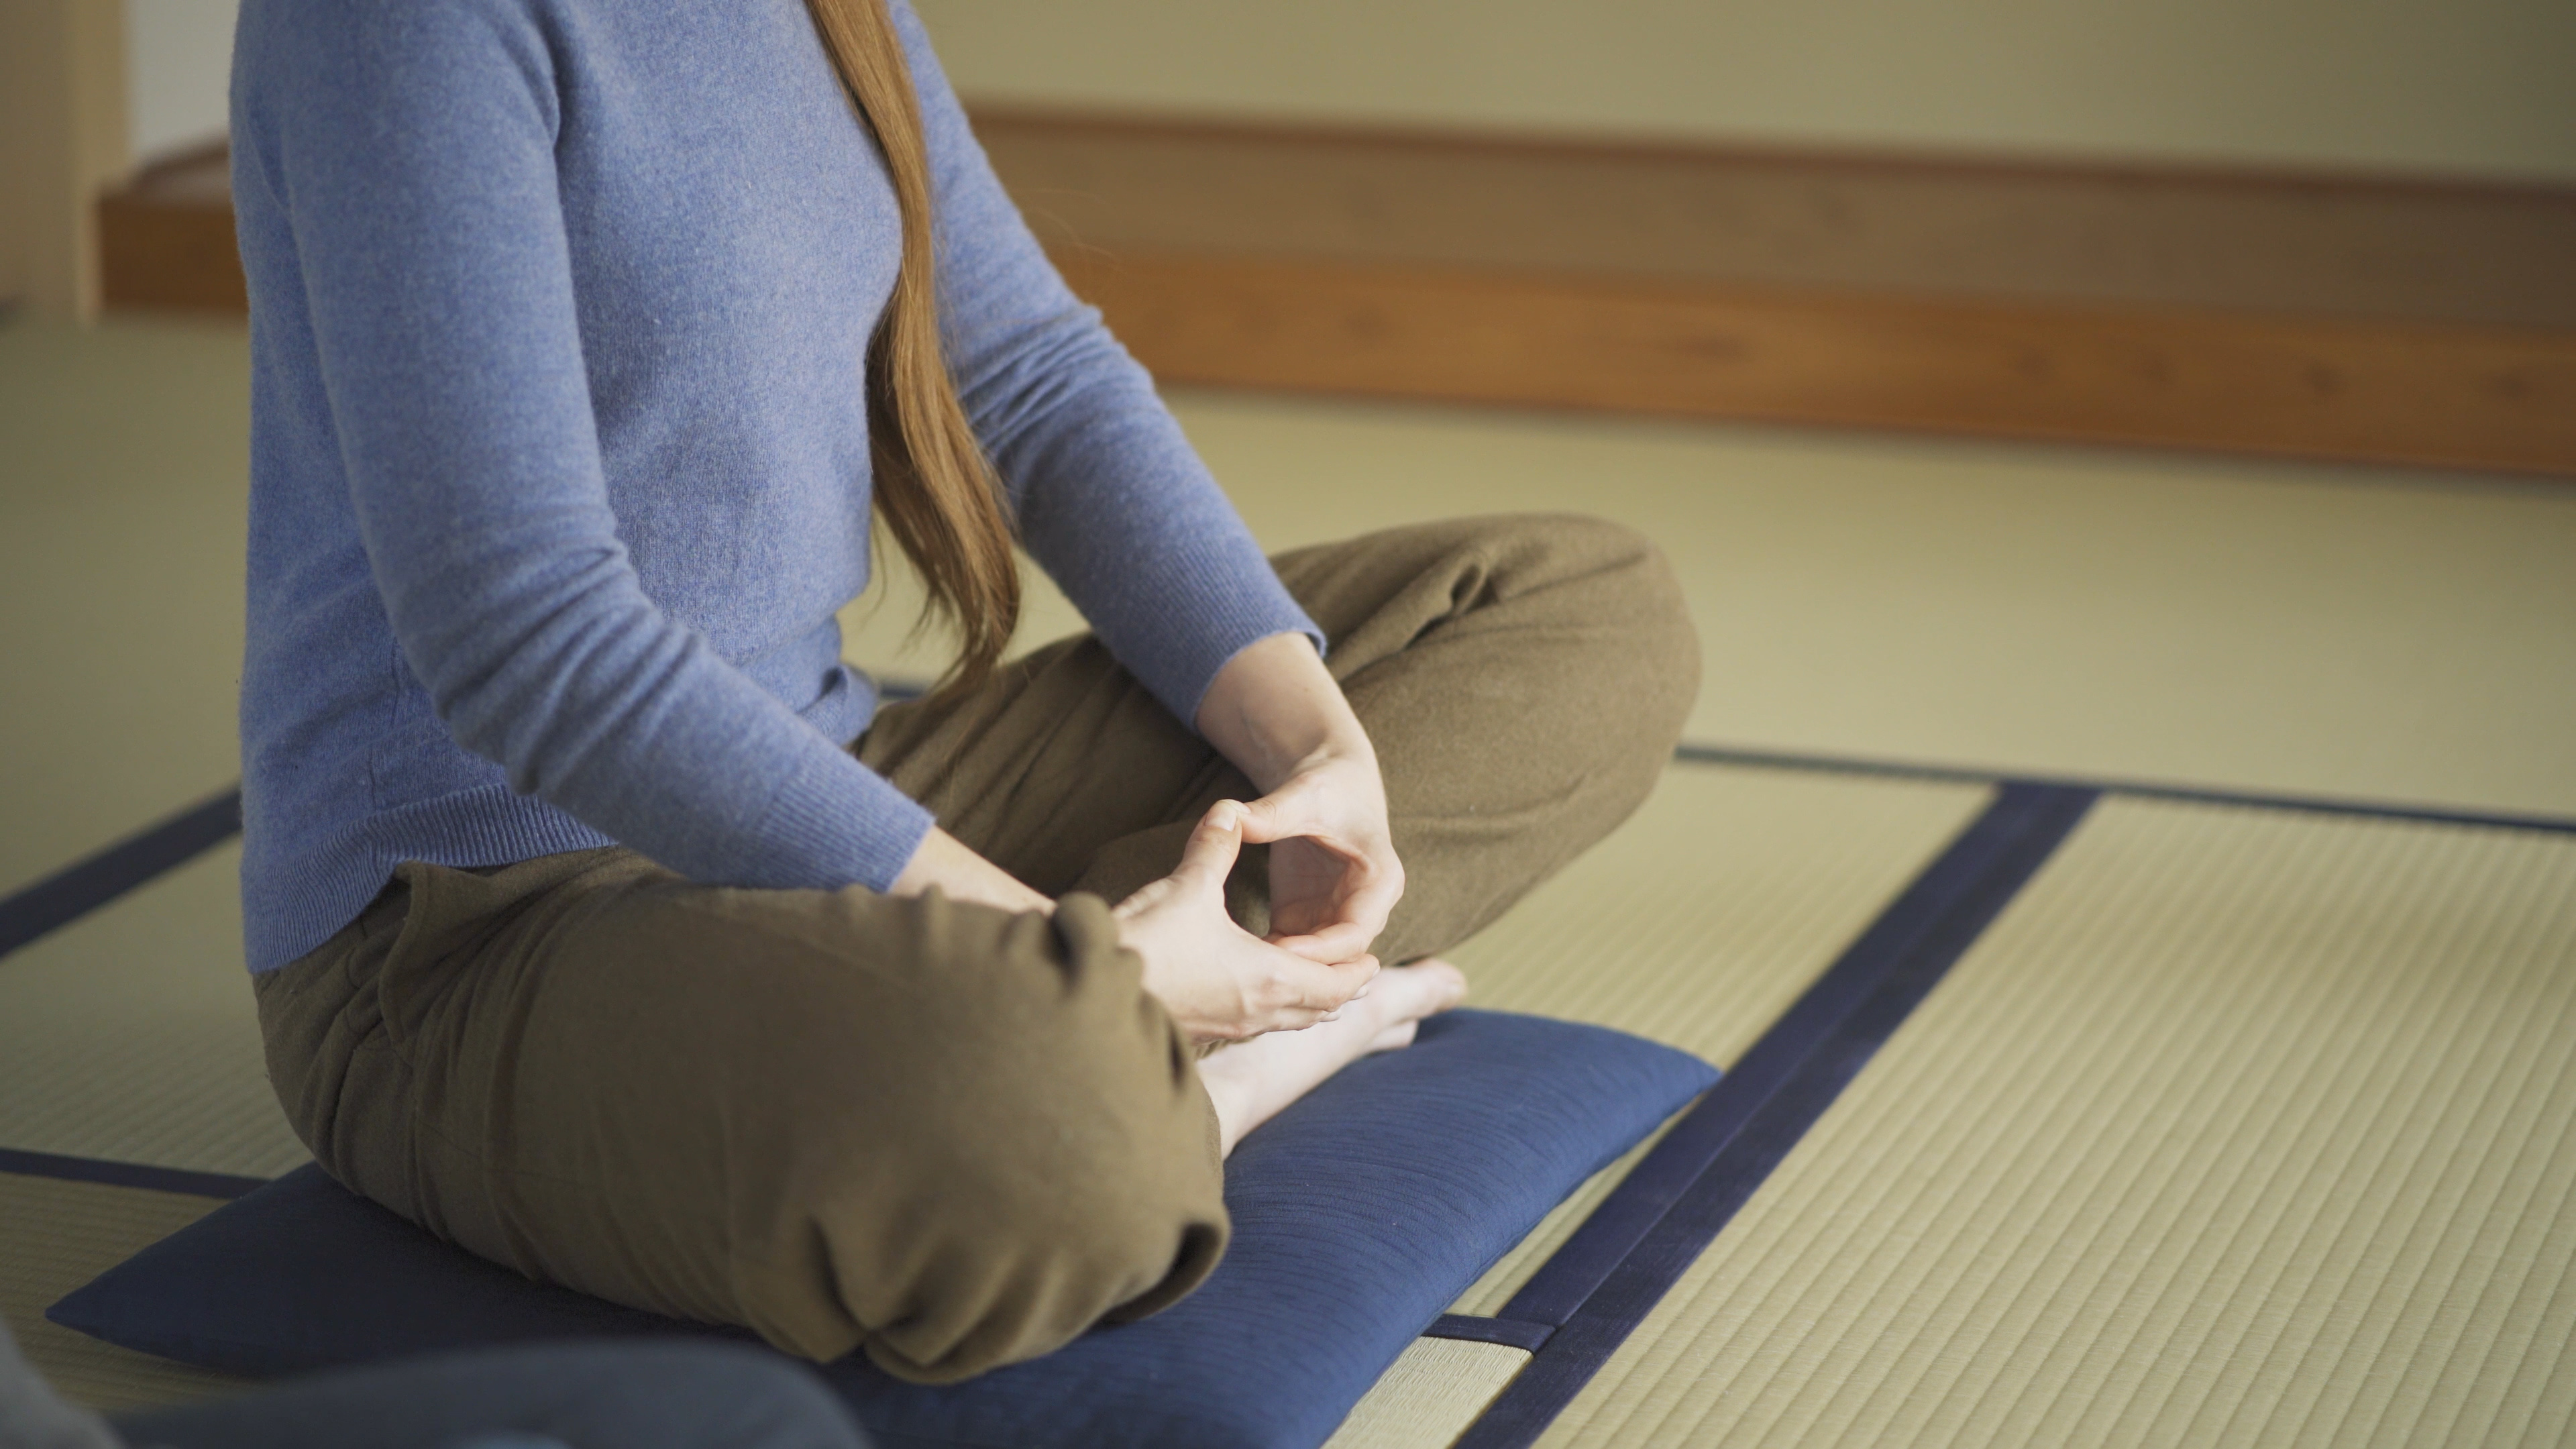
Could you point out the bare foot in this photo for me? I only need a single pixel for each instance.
(1251, 1081)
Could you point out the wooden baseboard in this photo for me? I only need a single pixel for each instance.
(165, 238)
(1697, 285)
(160, 258)
(2376, 392)
(2195, 237)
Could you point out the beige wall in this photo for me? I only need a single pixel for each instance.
(179, 71)
(2463, 86)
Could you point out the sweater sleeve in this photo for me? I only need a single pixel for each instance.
(411, 143)
(1109, 496)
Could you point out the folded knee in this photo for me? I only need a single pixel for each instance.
(1630, 594)
(1619, 570)
(1048, 1158)
(1051, 1247)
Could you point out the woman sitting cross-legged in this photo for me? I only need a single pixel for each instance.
(602, 922)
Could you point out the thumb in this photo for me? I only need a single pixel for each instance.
(1213, 845)
(1278, 816)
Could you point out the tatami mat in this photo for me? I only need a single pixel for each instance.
(55, 1236)
(1701, 919)
(2365, 634)
(1431, 1395)
(124, 485)
(2240, 1127)
(131, 1035)
(1697, 923)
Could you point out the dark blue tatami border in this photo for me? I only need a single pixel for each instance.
(2144, 789)
(126, 1174)
(84, 886)
(1602, 1283)
(1509, 1332)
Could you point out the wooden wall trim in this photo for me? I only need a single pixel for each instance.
(996, 117)
(2342, 246)
(2376, 321)
(165, 238)
(2436, 396)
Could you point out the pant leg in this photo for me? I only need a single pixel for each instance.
(1523, 678)
(949, 1135)
(576, 1395)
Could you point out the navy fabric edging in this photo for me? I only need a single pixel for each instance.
(1509, 1332)
(84, 886)
(1690, 754)
(1603, 1282)
(127, 1174)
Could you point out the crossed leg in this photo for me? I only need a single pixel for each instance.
(948, 1135)
(1522, 678)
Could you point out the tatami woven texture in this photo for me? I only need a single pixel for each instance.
(2239, 1128)
(1697, 923)
(55, 1236)
(1431, 1395)
(130, 1035)
(1701, 920)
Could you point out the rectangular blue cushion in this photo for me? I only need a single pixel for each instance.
(1359, 1214)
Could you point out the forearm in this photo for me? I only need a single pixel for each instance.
(947, 864)
(1106, 492)
(1274, 709)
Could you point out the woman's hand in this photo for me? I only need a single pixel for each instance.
(1275, 711)
(1219, 981)
(1333, 872)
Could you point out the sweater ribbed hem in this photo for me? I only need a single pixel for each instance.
(298, 899)
(297, 896)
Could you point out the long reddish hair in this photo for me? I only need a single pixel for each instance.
(934, 487)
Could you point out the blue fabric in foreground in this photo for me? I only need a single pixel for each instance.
(1360, 1213)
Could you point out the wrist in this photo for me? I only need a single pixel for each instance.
(946, 864)
(1275, 711)
(1333, 747)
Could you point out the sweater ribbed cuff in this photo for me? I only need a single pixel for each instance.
(835, 822)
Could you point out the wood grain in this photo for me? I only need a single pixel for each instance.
(165, 238)
(2181, 236)
(169, 258)
(2440, 396)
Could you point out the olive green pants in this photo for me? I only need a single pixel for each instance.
(944, 1133)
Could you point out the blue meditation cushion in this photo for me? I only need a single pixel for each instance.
(1359, 1214)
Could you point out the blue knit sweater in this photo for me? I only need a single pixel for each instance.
(559, 452)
